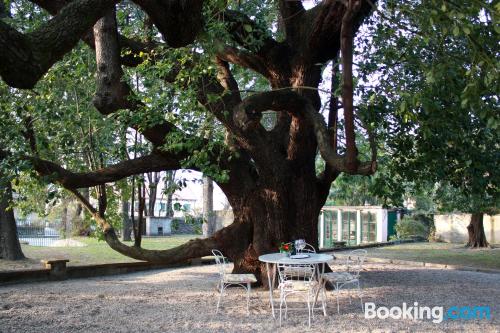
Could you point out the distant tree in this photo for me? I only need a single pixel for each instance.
(208, 207)
(10, 248)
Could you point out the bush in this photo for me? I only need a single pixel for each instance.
(410, 227)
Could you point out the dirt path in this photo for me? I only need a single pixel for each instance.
(183, 300)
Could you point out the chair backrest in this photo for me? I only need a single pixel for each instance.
(307, 249)
(296, 272)
(221, 261)
(355, 260)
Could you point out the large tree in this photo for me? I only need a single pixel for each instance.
(437, 100)
(269, 177)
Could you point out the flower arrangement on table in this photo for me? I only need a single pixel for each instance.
(286, 248)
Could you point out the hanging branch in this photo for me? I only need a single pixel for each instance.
(334, 108)
(346, 47)
(112, 93)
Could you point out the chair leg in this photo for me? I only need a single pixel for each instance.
(220, 297)
(248, 298)
(337, 293)
(360, 293)
(286, 306)
(309, 310)
(323, 300)
(281, 305)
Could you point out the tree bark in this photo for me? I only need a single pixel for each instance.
(140, 218)
(347, 37)
(169, 189)
(153, 180)
(126, 223)
(208, 207)
(112, 92)
(25, 58)
(281, 211)
(10, 248)
(477, 237)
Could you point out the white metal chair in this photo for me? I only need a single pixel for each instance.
(307, 249)
(228, 279)
(354, 264)
(299, 279)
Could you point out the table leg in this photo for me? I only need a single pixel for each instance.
(271, 284)
(321, 285)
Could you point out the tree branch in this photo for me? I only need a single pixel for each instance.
(291, 14)
(262, 51)
(325, 25)
(287, 100)
(111, 93)
(248, 33)
(220, 95)
(69, 179)
(131, 47)
(244, 59)
(346, 46)
(25, 58)
(193, 249)
(179, 21)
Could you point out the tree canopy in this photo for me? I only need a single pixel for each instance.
(194, 78)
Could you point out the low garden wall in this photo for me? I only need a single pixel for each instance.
(74, 272)
(452, 228)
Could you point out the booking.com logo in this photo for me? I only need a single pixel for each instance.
(436, 313)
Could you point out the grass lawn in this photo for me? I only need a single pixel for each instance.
(440, 253)
(96, 252)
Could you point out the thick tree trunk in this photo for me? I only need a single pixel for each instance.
(283, 212)
(477, 238)
(10, 248)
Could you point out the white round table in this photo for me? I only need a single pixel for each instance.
(282, 258)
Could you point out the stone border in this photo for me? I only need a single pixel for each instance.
(60, 272)
(424, 264)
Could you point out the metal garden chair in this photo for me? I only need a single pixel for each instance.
(299, 279)
(354, 264)
(228, 279)
(307, 249)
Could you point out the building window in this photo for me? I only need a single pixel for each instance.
(368, 227)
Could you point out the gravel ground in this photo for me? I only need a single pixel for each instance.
(183, 300)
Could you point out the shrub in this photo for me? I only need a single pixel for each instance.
(410, 227)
